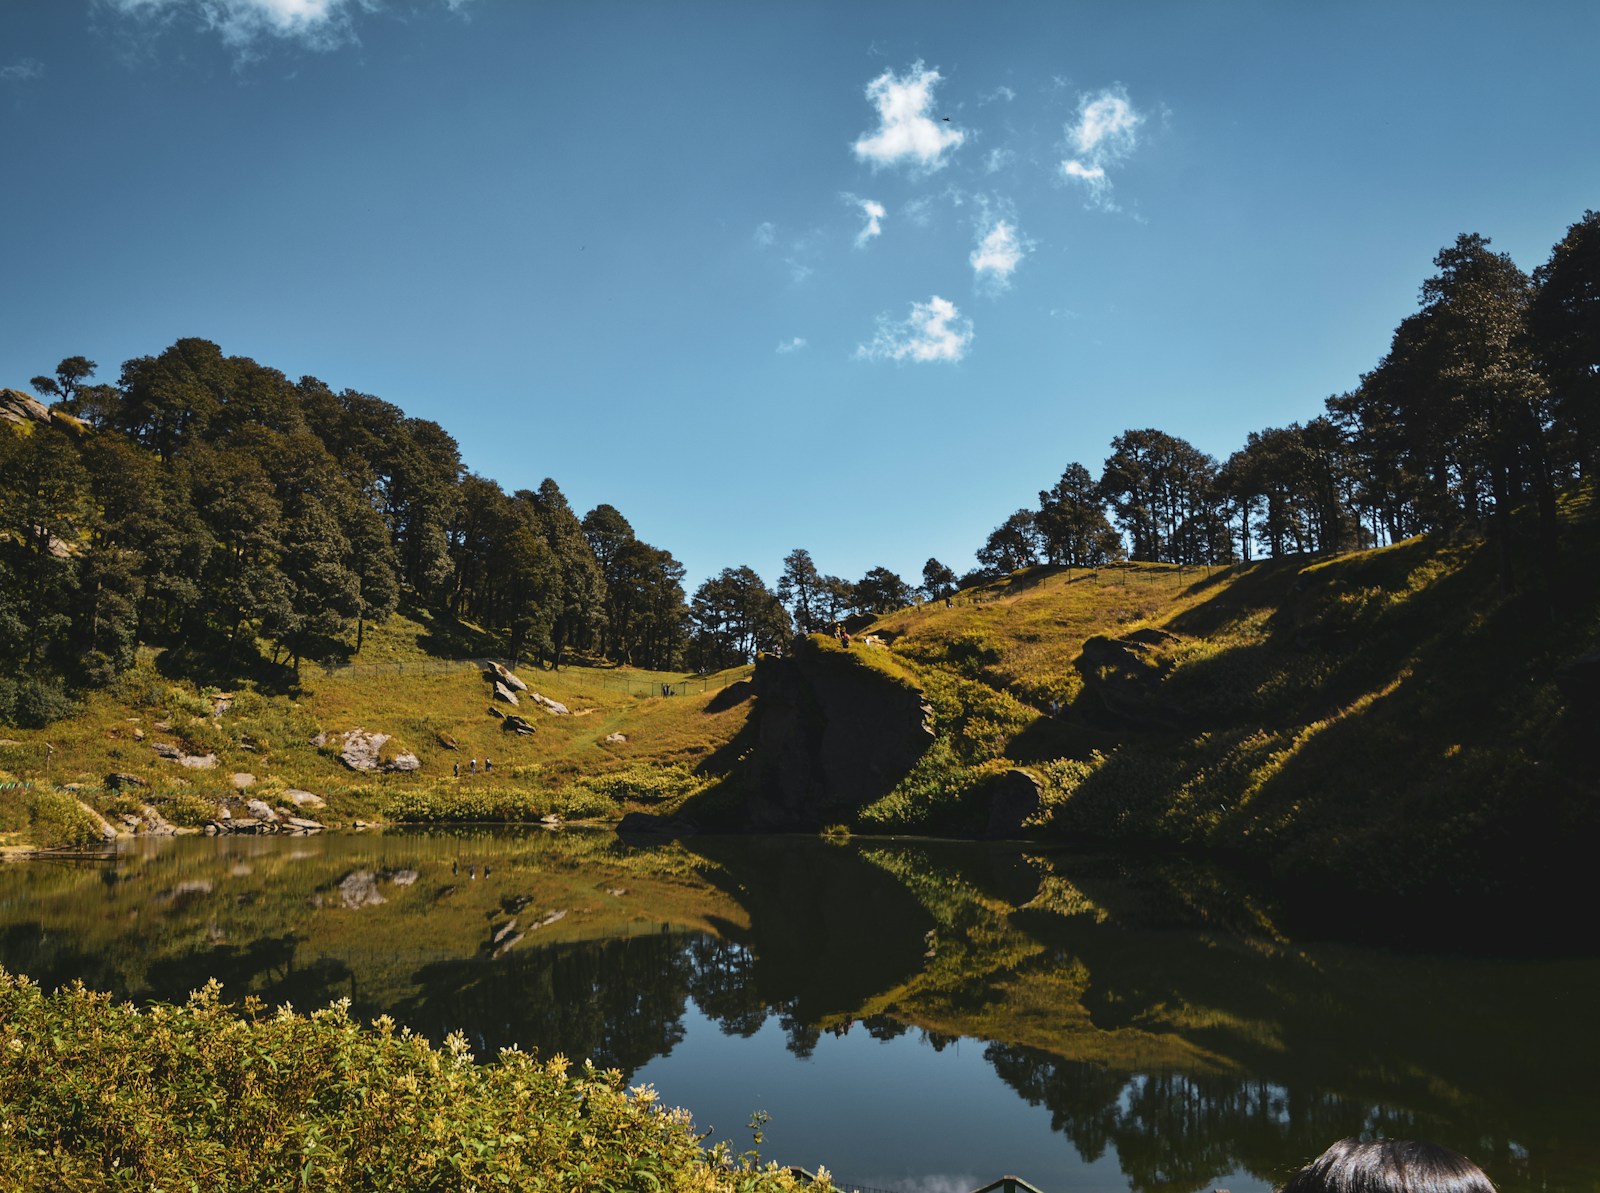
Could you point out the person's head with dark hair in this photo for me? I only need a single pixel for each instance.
(1389, 1166)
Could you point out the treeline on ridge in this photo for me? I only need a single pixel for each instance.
(208, 504)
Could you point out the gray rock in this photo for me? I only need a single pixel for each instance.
(197, 761)
(18, 407)
(300, 824)
(501, 692)
(517, 725)
(360, 749)
(155, 824)
(403, 877)
(403, 762)
(615, 739)
(554, 707)
(495, 673)
(241, 780)
(304, 799)
(165, 749)
(262, 811)
(1017, 796)
(103, 826)
(118, 780)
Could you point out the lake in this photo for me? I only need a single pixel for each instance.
(913, 1015)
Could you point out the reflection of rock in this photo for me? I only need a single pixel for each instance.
(359, 889)
(650, 824)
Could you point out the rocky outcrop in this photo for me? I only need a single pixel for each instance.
(18, 407)
(363, 751)
(831, 734)
(1015, 796)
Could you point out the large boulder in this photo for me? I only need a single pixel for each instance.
(517, 725)
(495, 673)
(554, 707)
(1014, 797)
(501, 692)
(360, 749)
(832, 735)
(18, 407)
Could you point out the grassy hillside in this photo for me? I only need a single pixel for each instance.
(1390, 722)
(438, 709)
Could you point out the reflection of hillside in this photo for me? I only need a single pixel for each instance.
(1153, 1006)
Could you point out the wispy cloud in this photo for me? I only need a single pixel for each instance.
(1106, 133)
(998, 160)
(765, 234)
(319, 24)
(907, 133)
(791, 345)
(1000, 250)
(874, 213)
(933, 331)
(1001, 92)
(22, 71)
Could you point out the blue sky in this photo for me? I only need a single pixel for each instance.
(730, 268)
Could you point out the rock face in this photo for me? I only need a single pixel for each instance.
(18, 407)
(831, 733)
(495, 673)
(362, 751)
(1015, 797)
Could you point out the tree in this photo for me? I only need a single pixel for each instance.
(881, 591)
(1071, 522)
(938, 581)
(1163, 492)
(800, 588)
(734, 615)
(64, 386)
(581, 611)
(1563, 321)
(1012, 545)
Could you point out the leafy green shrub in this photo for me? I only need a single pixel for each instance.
(33, 701)
(57, 818)
(465, 803)
(938, 794)
(642, 783)
(188, 810)
(107, 1097)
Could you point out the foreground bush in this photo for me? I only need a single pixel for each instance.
(107, 1097)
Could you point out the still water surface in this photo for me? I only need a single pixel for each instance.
(913, 1015)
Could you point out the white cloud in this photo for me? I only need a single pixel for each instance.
(935, 330)
(794, 345)
(907, 133)
(22, 71)
(1000, 250)
(321, 24)
(765, 234)
(1106, 133)
(874, 213)
(1001, 92)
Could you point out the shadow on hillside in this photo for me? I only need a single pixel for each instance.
(449, 637)
(205, 667)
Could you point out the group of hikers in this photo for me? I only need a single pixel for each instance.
(472, 766)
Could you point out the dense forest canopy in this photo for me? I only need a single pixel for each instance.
(208, 504)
